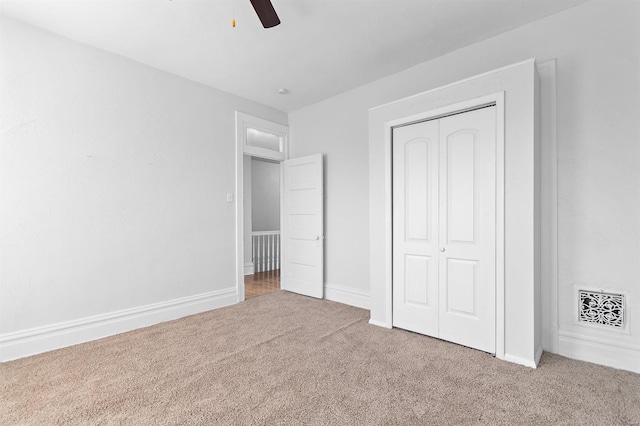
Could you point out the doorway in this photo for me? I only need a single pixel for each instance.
(262, 219)
(301, 246)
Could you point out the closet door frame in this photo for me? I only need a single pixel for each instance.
(496, 99)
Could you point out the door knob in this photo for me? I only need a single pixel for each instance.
(442, 249)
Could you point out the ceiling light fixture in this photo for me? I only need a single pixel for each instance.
(283, 91)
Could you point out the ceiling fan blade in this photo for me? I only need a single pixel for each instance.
(266, 13)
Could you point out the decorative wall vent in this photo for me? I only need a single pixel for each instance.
(601, 308)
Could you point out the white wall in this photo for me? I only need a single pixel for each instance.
(597, 46)
(337, 128)
(265, 195)
(113, 182)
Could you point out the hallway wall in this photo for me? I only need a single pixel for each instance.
(265, 194)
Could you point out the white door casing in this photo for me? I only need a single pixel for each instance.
(444, 228)
(243, 123)
(302, 237)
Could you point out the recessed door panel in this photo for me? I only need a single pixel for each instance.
(301, 251)
(461, 186)
(460, 286)
(300, 223)
(415, 279)
(301, 199)
(417, 214)
(302, 175)
(301, 277)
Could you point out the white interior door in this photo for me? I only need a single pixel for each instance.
(302, 236)
(468, 229)
(444, 195)
(415, 227)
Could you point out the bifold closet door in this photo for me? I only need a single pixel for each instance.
(467, 231)
(415, 227)
(444, 228)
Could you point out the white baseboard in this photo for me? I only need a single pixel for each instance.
(346, 295)
(249, 268)
(599, 351)
(522, 361)
(378, 323)
(42, 339)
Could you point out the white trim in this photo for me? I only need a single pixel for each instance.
(379, 323)
(246, 121)
(444, 111)
(607, 352)
(498, 99)
(255, 151)
(283, 271)
(456, 83)
(549, 205)
(500, 223)
(388, 225)
(521, 361)
(570, 336)
(239, 208)
(249, 268)
(538, 355)
(46, 338)
(346, 295)
(242, 122)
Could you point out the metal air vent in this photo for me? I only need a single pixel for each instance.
(601, 308)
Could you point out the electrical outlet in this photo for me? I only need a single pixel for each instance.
(229, 197)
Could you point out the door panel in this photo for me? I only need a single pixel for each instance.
(467, 233)
(417, 218)
(461, 286)
(416, 274)
(460, 186)
(415, 227)
(302, 242)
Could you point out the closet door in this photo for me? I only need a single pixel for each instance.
(467, 229)
(415, 227)
(444, 198)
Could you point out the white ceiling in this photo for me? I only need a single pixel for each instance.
(322, 47)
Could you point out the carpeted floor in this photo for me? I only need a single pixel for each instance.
(287, 359)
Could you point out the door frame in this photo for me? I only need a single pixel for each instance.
(244, 121)
(498, 100)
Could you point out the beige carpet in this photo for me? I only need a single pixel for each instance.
(287, 359)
